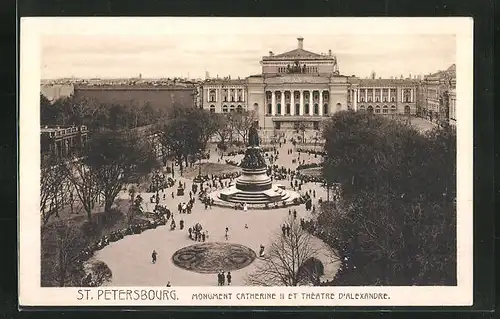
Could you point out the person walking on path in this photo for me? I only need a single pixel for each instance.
(228, 278)
(227, 235)
(153, 256)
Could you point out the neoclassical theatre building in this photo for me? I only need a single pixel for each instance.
(300, 86)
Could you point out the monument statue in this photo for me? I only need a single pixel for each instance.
(253, 136)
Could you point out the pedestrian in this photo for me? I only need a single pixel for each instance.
(223, 278)
(219, 279)
(228, 278)
(227, 235)
(168, 284)
(153, 256)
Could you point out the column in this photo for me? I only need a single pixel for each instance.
(301, 108)
(292, 103)
(235, 95)
(389, 95)
(282, 103)
(366, 95)
(373, 95)
(355, 102)
(310, 102)
(273, 103)
(321, 103)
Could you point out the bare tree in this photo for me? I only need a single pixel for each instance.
(283, 263)
(85, 181)
(241, 122)
(52, 180)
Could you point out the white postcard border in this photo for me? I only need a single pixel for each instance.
(30, 292)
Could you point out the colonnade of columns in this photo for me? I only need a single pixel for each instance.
(306, 101)
(378, 92)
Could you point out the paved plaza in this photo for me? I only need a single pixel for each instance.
(130, 258)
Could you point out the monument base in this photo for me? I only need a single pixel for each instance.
(277, 196)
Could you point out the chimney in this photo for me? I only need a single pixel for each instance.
(330, 52)
(271, 53)
(300, 43)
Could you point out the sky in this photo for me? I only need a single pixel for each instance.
(223, 50)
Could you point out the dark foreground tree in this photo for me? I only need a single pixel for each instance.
(60, 259)
(397, 223)
(116, 157)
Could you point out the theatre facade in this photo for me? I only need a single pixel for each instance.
(300, 86)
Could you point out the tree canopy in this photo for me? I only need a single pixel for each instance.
(396, 223)
(187, 133)
(115, 158)
(97, 116)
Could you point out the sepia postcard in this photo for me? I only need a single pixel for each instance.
(246, 162)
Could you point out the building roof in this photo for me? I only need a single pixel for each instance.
(450, 72)
(225, 81)
(298, 53)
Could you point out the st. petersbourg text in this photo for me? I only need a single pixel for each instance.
(127, 294)
(171, 295)
(292, 295)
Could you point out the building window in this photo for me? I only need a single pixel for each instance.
(297, 96)
(231, 109)
(212, 108)
(370, 99)
(393, 99)
(316, 125)
(212, 96)
(362, 99)
(385, 99)
(377, 99)
(278, 109)
(224, 108)
(370, 109)
(385, 109)
(306, 109)
(377, 110)
(269, 109)
(288, 109)
(407, 109)
(325, 109)
(297, 109)
(239, 109)
(316, 109)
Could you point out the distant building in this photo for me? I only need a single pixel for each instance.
(156, 95)
(439, 92)
(300, 86)
(224, 95)
(57, 91)
(62, 141)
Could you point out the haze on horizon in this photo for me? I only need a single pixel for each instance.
(171, 55)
